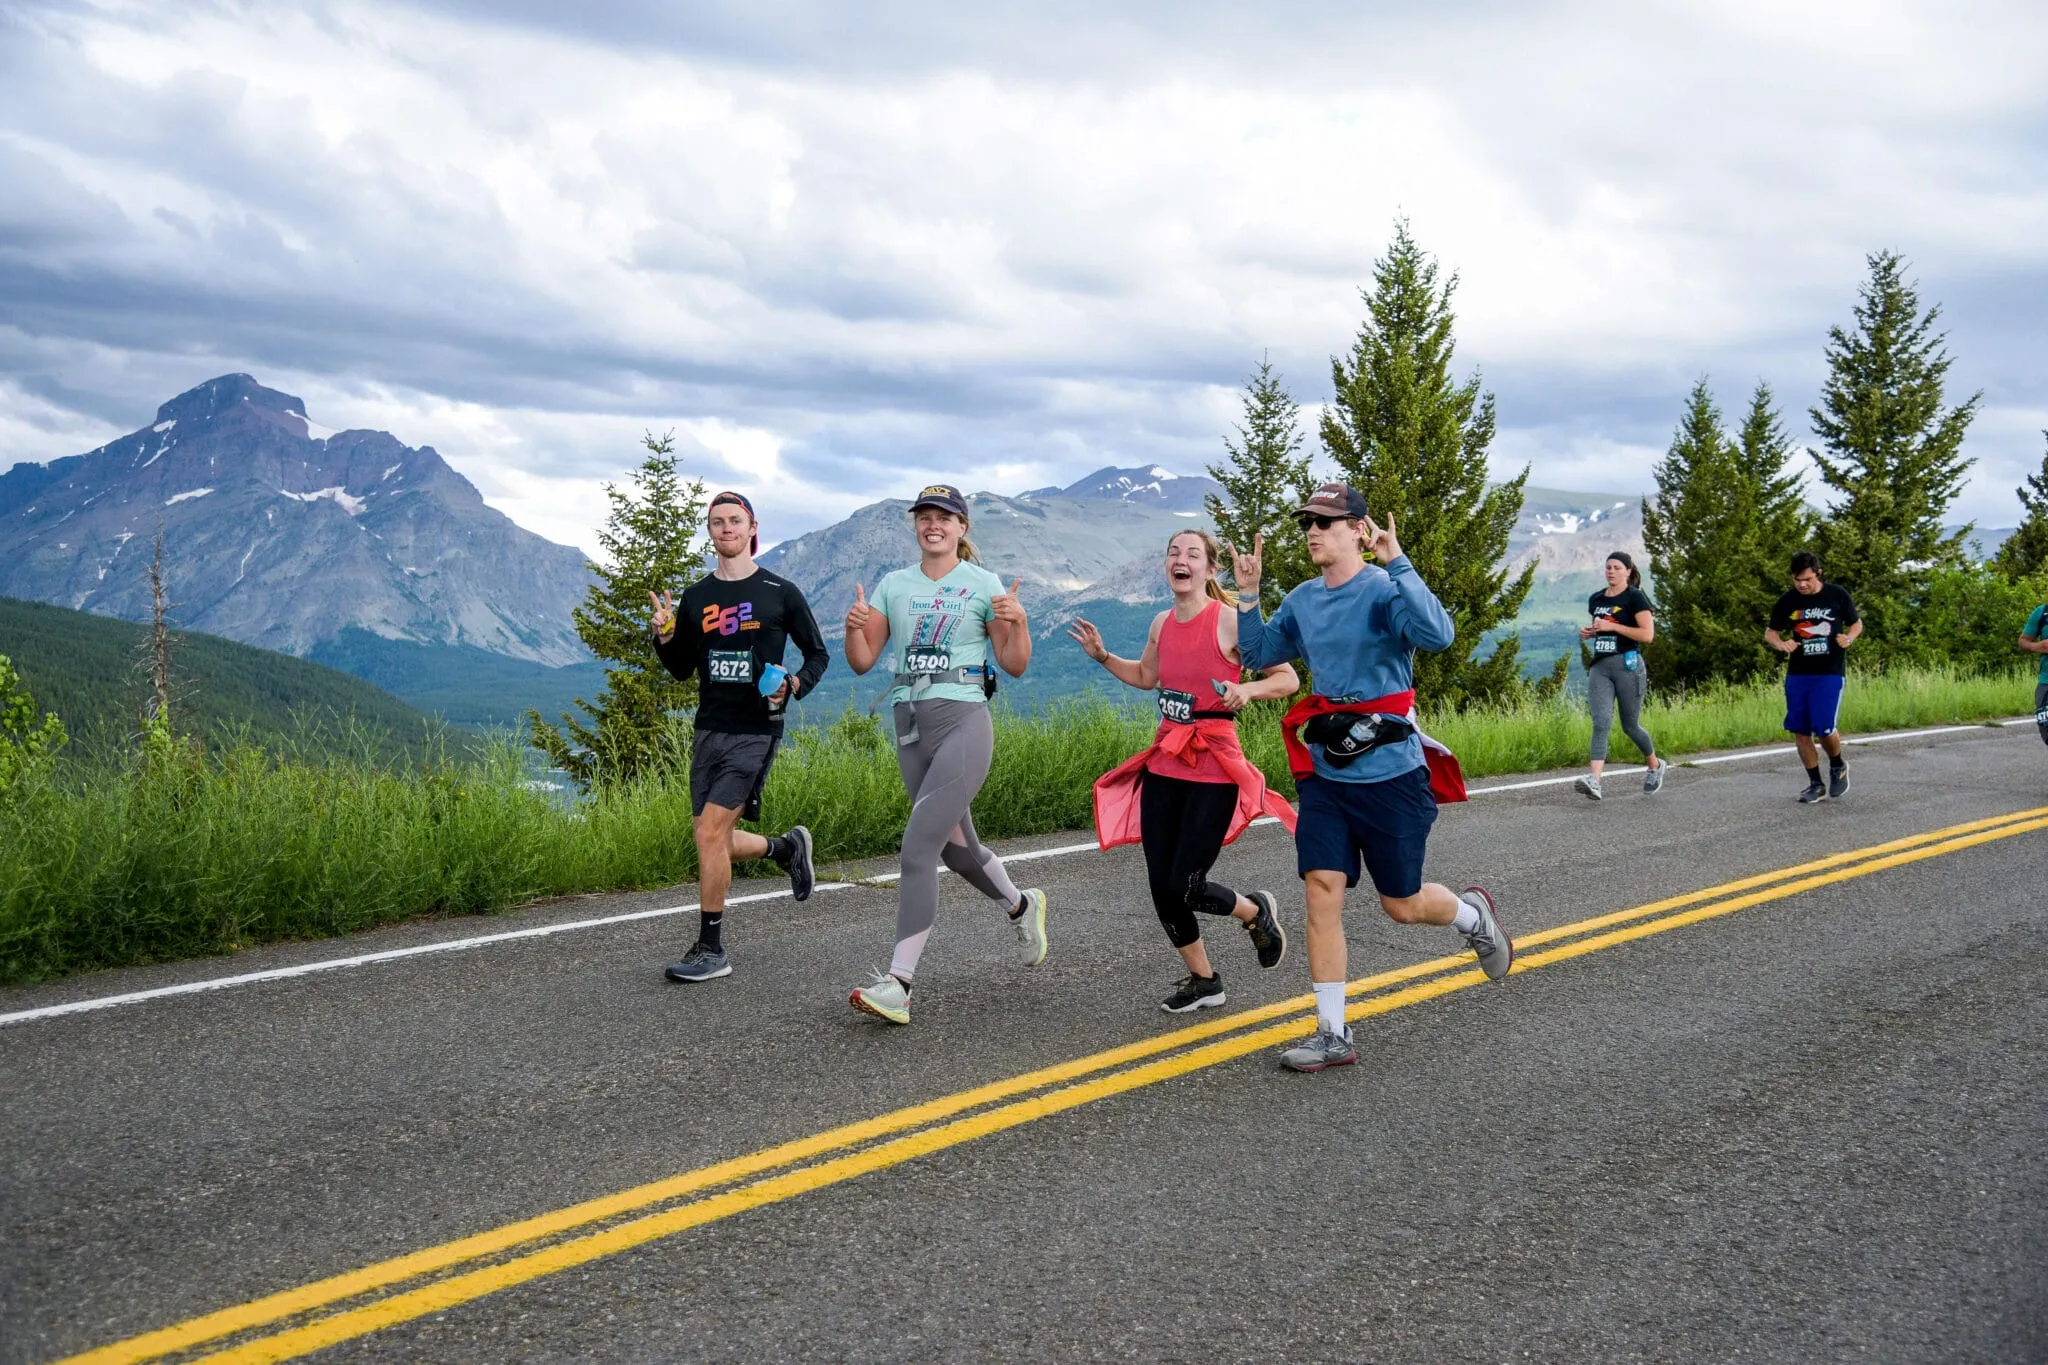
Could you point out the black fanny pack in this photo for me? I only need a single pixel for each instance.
(1345, 735)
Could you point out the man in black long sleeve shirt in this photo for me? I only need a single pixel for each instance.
(729, 629)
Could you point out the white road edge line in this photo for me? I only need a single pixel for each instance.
(330, 964)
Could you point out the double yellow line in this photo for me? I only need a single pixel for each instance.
(298, 1321)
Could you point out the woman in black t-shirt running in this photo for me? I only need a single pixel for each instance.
(1622, 624)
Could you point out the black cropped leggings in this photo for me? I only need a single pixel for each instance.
(1183, 825)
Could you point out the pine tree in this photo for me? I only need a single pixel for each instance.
(1893, 456)
(1264, 480)
(2025, 553)
(1726, 518)
(651, 541)
(1413, 440)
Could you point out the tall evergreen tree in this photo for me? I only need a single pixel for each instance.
(1891, 454)
(1265, 479)
(1413, 440)
(2025, 553)
(1726, 517)
(652, 541)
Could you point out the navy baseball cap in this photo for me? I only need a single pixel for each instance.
(1334, 500)
(739, 500)
(943, 496)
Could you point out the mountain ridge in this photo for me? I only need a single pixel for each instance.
(282, 534)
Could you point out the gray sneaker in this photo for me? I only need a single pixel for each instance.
(803, 875)
(1590, 785)
(1838, 783)
(1030, 927)
(1325, 1049)
(700, 964)
(1488, 941)
(1654, 779)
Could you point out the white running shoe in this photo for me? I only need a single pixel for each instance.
(1030, 927)
(885, 997)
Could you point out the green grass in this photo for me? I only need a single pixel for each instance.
(104, 865)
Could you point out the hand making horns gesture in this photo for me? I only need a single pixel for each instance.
(1006, 607)
(860, 613)
(1385, 547)
(664, 621)
(1244, 569)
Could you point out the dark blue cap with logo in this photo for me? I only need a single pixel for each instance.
(943, 496)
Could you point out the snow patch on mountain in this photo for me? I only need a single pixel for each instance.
(337, 495)
(188, 493)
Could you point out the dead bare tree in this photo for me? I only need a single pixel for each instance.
(157, 661)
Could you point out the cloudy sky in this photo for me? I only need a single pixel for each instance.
(844, 249)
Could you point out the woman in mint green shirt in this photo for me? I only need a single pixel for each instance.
(944, 623)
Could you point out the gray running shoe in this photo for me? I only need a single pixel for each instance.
(802, 875)
(1325, 1049)
(1195, 993)
(1267, 936)
(1814, 792)
(1590, 785)
(1654, 779)
(1030, 927)
(1838, 782)
(1489, 942)
(885, 997)
(700, 964)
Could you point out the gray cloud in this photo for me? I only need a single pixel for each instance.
(894, 241)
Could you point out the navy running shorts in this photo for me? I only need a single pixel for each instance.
(730, 771)
(1813, 703)
(1384, 824)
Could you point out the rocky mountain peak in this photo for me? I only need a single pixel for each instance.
(277, 537)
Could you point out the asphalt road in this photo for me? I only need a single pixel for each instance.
(1813, 1128)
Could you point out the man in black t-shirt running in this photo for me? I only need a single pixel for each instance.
(729, 632)
(1812, 625)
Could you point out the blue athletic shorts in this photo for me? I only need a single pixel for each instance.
(1813, 702)
(1385, 822)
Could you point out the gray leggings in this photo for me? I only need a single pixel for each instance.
(1609, 681)
(943, 769)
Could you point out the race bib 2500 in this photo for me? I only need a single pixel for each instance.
(927, 661)
(729, 665)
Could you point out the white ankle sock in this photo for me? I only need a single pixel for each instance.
(1330, 1005)
(1467, 918)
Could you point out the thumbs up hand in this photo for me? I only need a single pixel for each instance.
(860, 613)
(1006, 608)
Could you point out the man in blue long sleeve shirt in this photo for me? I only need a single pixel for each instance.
(1357, 626)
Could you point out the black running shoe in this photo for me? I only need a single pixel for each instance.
(1814, 792)
(802, 876)
(1267, 936)
(1194, 993)
(700, 964)
(1838, 782)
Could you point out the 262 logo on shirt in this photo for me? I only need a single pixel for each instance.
(730, 620)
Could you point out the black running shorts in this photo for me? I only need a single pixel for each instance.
(730, 771)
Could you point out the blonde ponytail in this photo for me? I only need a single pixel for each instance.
(968, 554)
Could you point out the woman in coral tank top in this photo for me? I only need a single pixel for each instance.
(1193, 790)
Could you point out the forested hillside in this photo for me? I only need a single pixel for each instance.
(86, 668)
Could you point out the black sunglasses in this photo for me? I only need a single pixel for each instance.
(1320, 523)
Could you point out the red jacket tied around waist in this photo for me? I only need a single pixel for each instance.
(1446, 777)
(1203, 748)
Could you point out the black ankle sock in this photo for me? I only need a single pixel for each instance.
(711, 930)
(780, 848)
(1813, 774)
(1836, 763)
